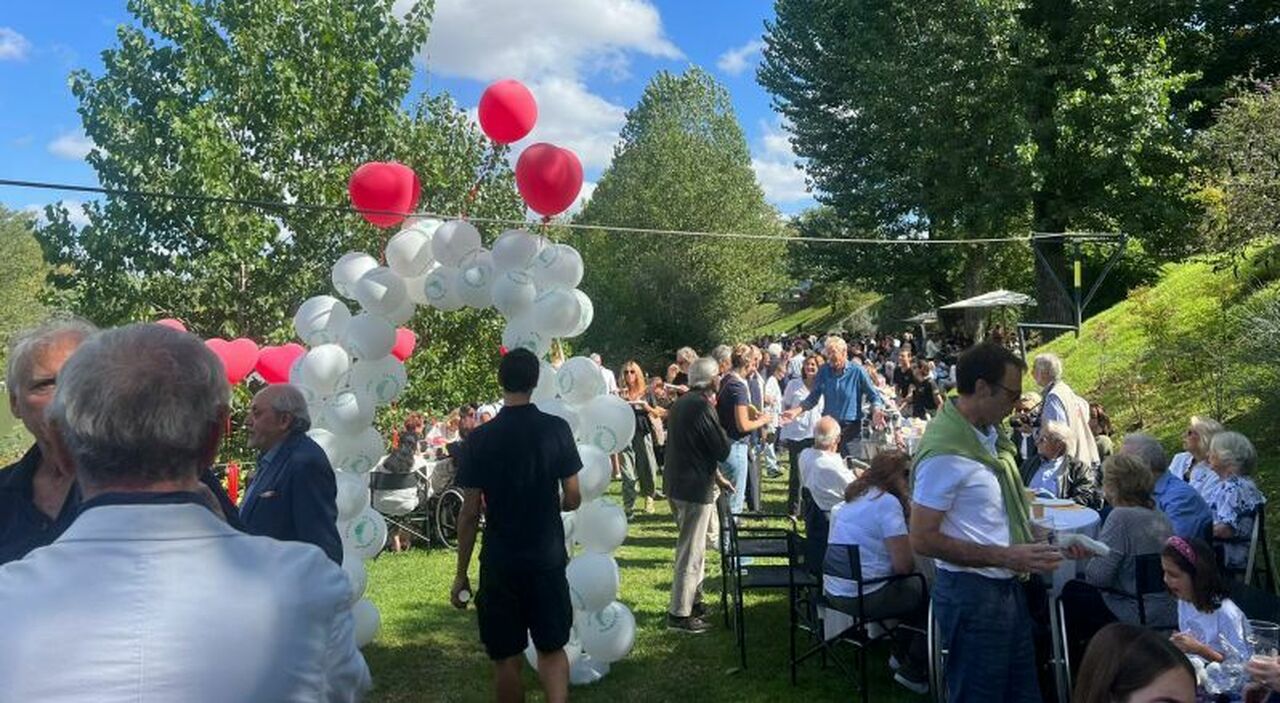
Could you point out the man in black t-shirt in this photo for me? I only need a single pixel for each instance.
(520, 462)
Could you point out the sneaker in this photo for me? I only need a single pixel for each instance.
(693, 625)
(912, 681)
(699, 610)
(648, 505)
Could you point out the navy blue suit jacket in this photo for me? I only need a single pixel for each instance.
(293, 497)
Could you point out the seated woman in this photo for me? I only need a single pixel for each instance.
(1192, 464)
(1234, 499)
(874, 518)
(1102, 429)
(1054, 474)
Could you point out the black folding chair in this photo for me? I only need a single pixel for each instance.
(1255, 603)
(747, 535)
(788, 576)
(1259, 570)
(845, 561)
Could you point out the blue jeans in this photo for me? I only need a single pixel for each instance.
(985, 626)
(735, 471)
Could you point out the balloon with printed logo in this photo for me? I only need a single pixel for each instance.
(408, 253)
(381, 291)
(366, 535)
(513, 293)
(323, 367)
(586, 314)
(349, 268)
(602, 525)
(384, 192)
(609, 423)
(321, 320)
(453, 241)
(367, 621)
(383, 379)
(348, 413)
(557, 266)
(593, 581)
(521, 333)
(353, 494)
(595, 474)
(369, 336)
(515, 249)
(579, 380)
(475, 280)
(556, 312)
(358, 453)
(507, 111)
(357, 576)
(328, 442)
(440, 288)
(562, 410)
(608, 634)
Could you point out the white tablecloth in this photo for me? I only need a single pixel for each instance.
(1084, 521)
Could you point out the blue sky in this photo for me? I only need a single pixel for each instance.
(587, 62)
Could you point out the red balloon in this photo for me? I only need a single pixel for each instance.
(507, 111)
(385, 186)
(274, 363)
(238, 357)
(406, 340)
(172, 324)
(548, 178)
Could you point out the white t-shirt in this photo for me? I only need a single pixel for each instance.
(867, 522)
(1179, 464)
(610, 380)
(1227, 622)
(772, 400)
(968, 492)
(826, 476)
(801, 427)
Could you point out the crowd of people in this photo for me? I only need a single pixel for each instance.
(126, 422)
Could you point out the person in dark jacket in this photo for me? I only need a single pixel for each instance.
(696, 444)
(1053, 473)
(293, 495)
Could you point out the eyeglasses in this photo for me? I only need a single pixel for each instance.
(1011, 393)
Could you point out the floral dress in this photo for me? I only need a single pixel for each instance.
(1235, 501)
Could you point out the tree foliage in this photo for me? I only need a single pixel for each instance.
(22, 269)
(974, 118)
(270, 100)
(682, 164)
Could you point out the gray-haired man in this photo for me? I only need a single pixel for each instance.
(293, 495)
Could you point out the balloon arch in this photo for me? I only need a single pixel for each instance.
(352, 362)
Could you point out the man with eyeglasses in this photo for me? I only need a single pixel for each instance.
(969, 512)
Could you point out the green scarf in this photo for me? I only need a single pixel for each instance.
(950, 433)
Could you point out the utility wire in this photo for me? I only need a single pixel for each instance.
(346, 209)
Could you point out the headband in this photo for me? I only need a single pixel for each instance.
(1183, 547)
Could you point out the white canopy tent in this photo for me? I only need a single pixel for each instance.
(992, 299)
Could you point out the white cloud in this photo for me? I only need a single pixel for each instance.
(736, 60)
(588, 189)
(777, 168)
(75, 213)
(552, 46)
(71, 145)
(13, 46)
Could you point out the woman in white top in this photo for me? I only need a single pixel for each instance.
(798, 434)
(1192, 465)
(874, 518)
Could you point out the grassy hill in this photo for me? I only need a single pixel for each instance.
(769, 319)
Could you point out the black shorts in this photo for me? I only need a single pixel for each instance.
(513, 604)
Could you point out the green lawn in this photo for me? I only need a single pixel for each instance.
(779, 318)
(427, 651)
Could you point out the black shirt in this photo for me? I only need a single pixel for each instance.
(733, 393)
(695, 442)
(22, 526)
(517, 460)
(924, 395)
(903, 379)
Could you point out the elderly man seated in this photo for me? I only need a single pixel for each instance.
(1052, 473)
(149, 595)
(822, 469)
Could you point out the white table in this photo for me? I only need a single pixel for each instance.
(1078, 520)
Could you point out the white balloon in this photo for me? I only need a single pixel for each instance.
(521, 333)
(546, 388)
(587, 671)
(440, 288)
(409, 251)
(358, 453)
(357, 576)
(367, 621)
(557, 266)
(349, 268)
(602, 525)
(416, 287)
(609, 423)
(366, 535)
(593, 581)
(579, 380)
(514, 250)
(380, 291)
(556, 312)
(572, 650)
(349, 413)
(353, 494)
(404, 313)
(453, 240)
(383, 379)
(323, 368)
(586, 313)
(329, 443)
(370, 336)
(595, 474)
(561, 409)
(475, 280)
(608, 634)
(513, 293)
(566, 521)
(321, 320)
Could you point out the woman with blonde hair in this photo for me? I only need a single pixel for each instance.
(1192, 464)
(638, 463)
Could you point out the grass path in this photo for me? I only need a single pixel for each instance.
(427, 651)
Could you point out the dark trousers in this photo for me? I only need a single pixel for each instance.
(753, 476)
(794, 447)
(851, 438)
(907, 602)
(1087, 613)
(986, 627)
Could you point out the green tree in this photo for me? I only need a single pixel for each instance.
(272, 100)
(22, 269)
(682, 164)
(974, 118)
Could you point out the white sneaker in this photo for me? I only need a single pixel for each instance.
(920, 687)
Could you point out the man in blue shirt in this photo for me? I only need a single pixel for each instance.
(842, 386)
(1187, 512)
